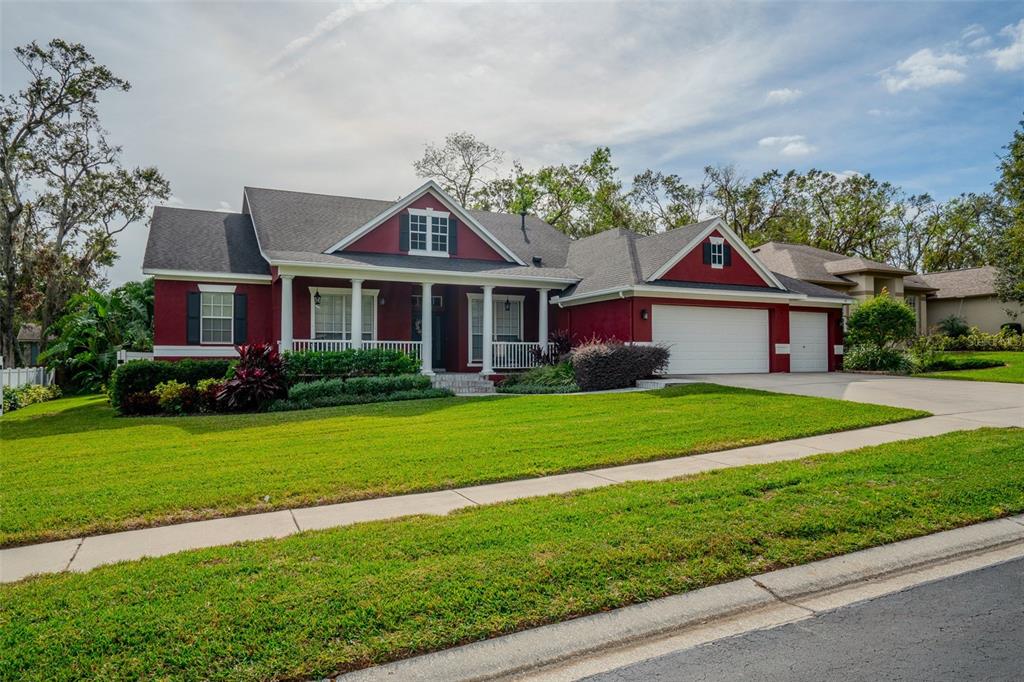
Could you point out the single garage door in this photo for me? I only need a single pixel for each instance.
(808, 342)
(712, 340)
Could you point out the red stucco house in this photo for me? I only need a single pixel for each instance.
(483, 288)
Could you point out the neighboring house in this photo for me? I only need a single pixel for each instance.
(858, 278)
(483, 289)
(970, 294)
(30, 339)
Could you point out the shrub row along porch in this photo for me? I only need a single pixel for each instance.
(392, 316)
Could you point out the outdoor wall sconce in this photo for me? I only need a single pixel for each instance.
(316, 298)
(508, 304)
(644, 314)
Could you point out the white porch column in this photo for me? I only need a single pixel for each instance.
(426, 331)
(488, 331)
(357, 313)
(542, 319)
(286, 312)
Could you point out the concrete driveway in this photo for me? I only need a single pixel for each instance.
(976, 401)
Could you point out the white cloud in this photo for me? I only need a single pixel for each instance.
(925, 69)
(783, 95)
(224, 206)
(1011, 57)
(788, 145)
(847, 174)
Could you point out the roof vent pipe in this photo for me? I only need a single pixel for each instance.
(522, 219)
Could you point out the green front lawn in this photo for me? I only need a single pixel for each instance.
(315, 603)
(72, 467)
(1012, 371)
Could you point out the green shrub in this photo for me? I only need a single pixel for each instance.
(311, 365)
(142, 376)
(175, 397)
(140, 404)
(882, 322)
(954, 326)
(312, 391)
(559, 378)
(29, 394)
(209, 390)
(340, 399)
(1006, 339)
(605, 365)
(875, 359)
(535, 389)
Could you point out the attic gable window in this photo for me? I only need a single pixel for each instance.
(429, 232)
(717, 252)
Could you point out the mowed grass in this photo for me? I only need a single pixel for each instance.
(320, 602)
(1012, 371)
(72, 467)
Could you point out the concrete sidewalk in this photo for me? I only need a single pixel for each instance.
(83, 554)
(577, 648)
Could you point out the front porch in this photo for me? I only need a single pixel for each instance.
(318, 314)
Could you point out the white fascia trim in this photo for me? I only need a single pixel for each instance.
(734, 239)
(225, 351)
(447, 200)
(217, 288)
(675, 292)
(196, 275)
(300, 268)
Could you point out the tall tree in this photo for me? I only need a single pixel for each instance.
(459, 164)
(1008, 216)
(63, 192)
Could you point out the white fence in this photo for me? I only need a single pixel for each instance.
(514, 354)
(23, 376)
(124, 356)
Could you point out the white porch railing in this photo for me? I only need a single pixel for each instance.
(514, 354)
(408, 347)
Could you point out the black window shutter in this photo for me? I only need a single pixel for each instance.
(403, 232)
(707, 253)
(453, 241)
(241, 319)
(192, 310)
(727, 255)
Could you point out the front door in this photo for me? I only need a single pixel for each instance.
(437, 324)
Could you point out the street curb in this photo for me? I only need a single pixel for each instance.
(544, 646)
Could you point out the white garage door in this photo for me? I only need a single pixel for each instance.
(712, 340)
(808, 342)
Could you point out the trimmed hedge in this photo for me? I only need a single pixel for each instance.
(559, 378)
(874, 359)
(310, 365)
(946, 364)
(339, 399)
(979, 340)
(535, 389)
(357, 386)
(142, 376)
(611, 364)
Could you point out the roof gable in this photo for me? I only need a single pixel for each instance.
(433, 189)
(679, 266)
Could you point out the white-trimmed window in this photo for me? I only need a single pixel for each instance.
(428, 232)
(717, 252)
(507, 324)
(217, 319)
(332, 319)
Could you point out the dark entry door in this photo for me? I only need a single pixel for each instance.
(437, 324)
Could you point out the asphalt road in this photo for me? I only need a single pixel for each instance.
(968, 627)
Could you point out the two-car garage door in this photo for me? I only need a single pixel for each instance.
(704, 340)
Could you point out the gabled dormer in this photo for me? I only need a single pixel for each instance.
(714, 254)
(427, 222)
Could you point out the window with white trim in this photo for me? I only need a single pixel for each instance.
(428, 232)
(217, 319)
(332, 319)
(717, 253)
(417, 232)
(507, 324)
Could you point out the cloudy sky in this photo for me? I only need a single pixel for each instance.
(340, 97)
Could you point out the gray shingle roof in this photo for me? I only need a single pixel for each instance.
(845, 266)
(655, 250)
(963, 283)
(801, 262)
(204, 241)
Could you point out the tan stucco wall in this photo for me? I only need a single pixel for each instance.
(986, 313)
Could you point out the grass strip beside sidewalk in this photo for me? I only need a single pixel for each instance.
(73, 468)
(314, 603)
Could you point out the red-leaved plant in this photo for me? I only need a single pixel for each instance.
(258, 380)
